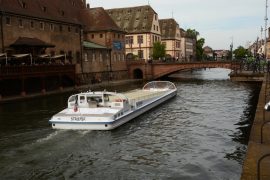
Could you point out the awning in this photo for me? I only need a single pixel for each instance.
(4, 55)
(91, 45)
(20, 55)
(44, 56)
(23, 55)
(58, 56)
(30, 42)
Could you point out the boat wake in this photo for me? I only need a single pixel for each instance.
(84, 132)
(48, 137)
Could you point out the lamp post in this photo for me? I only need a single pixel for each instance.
(265, 30)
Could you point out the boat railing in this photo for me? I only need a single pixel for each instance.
(159, 85)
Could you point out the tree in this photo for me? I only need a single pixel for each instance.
(192, 33)
(241, 52)
(159, 50)
(199, 48)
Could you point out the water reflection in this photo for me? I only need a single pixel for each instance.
(244, 126)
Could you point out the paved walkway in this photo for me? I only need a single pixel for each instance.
(258, 147)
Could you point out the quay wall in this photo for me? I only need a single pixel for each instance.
(104, 85)
(257, 162)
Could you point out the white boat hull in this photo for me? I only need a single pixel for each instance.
(86, 125)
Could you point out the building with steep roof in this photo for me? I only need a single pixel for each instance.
(102, 30)
(55, 22)
(63, 27)
(208, 51)
(142, 27)
(171, 37)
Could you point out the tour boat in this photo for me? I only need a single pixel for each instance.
(103, 110)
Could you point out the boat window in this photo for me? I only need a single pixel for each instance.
(94, 98)
(72, 98)
(98, 99)
(106, 97)
(82, 99)
(88, 99)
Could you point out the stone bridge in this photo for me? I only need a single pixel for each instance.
(155, 70)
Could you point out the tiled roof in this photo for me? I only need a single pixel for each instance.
(97, 19)
(207, 49)
(30, 42)
(168, 28)
(183, 33)
(56, 10)
(133, 19)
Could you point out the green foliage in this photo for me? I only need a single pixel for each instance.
(241, 52)
(199, 48)
(192, 33)
(159, 50)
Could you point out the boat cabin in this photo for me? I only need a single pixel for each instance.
(95, 100)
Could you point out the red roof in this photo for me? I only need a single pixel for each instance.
(30, 42)
(97, 19)
(56, 10)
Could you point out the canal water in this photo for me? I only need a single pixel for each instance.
(201, 134)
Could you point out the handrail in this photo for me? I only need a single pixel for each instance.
(262, 126)
(266, 122)
(259, 165)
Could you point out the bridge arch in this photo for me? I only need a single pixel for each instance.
(138, 73)
(157, 69)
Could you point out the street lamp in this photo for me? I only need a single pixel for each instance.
(265, 30)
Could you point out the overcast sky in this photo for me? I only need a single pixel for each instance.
(218, 21)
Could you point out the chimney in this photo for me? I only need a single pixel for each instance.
(88, 6)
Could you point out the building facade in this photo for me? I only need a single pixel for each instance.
(54, 22)
(101, 30)
(188, 46)
(142, 27)
(171, 37)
